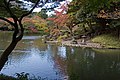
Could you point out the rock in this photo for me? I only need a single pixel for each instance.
(74, 42)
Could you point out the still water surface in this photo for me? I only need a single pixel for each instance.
(54, 62)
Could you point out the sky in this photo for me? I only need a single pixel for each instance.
(48, 5)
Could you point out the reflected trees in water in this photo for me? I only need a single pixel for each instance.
(72, 62)
(91, 65)
(86, 64)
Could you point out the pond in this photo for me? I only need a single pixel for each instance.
(53, 62)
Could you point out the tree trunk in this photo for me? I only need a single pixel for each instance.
(118, 33)
(10, 48)
(90, 26)
(84, 28)
(6, 53)
(71, 32)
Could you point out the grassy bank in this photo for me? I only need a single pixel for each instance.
(107, 41)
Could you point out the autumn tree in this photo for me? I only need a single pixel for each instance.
(35, 24)
(60, 16)
(59, 20)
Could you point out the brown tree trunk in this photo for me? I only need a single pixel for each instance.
(6, 53)
(10, 48)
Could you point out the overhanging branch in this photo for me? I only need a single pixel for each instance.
(7, 4)
(29, 11)
(4, 19)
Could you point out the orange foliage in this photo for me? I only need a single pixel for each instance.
(60, 18)
(10, 19)
(33, 29)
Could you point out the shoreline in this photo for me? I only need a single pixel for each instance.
(78, 44)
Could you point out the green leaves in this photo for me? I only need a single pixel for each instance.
(90, 5)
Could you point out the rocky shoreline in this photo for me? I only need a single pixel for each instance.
(78, 44)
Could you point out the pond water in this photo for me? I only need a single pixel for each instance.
(53, 62)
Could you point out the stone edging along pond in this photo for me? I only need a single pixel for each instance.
(79, 44)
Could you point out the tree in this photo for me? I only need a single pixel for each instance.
(43, 14)
(71, 23)
(35, 23)
(9, 6)
(60, 16)
(89, 12)
(59, 19)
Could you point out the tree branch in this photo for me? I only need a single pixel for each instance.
(4, 19)
(29, 11)
(7, 7)
(9, 10)
(21, 31)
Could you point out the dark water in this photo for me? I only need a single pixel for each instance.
(53, 62)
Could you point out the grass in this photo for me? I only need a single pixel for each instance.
(107, 41)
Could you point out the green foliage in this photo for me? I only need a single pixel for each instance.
(21, 76)
(114, 24)
(90, 5)
(43, 14)
(15, 7)
(60, 38)
(4, 77)
(87, 9)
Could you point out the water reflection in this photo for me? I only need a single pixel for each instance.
(60, 62)
(62, 51)
(4, 39)
(86, 64)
